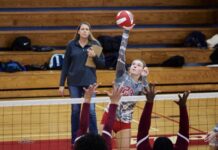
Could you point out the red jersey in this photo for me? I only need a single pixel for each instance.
(144, 126)
(106, 133)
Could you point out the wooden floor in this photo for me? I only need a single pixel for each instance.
(28, 124)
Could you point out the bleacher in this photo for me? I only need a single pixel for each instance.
(45, 83)
(150, 55)
(74, 17)
(161, 27)
(102, 3)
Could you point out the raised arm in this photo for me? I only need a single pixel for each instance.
(183, 135)
(106, 133)
(121, 61)
(145, 120)
(84, 118)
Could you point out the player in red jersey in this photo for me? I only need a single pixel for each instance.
(163, 143)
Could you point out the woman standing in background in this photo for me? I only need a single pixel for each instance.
(79, 75)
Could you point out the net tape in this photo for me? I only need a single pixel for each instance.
(65, 101)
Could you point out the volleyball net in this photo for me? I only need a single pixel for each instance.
(45, 124)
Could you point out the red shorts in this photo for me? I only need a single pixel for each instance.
(118, 125)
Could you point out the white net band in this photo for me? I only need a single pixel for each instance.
(63, 101)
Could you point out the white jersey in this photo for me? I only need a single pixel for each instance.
(129, 87)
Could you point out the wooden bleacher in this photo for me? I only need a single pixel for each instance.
(102, 3)
(159, 55)
(45, 83)
(138, 36)
(150, 55)
(73, 18)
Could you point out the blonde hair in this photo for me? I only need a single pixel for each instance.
(143, 62)
(90, 38)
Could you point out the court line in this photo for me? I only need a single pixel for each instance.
(168, 118)
(163, 116)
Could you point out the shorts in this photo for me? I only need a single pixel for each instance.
(118, 125)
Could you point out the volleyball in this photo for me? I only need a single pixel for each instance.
(124, 18)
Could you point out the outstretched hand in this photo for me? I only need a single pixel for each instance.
(90, 91)
(115, 95)
(183, 98)
(150, 92)
(145, 72)
(129, 28)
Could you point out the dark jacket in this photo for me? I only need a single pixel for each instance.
(74, 68)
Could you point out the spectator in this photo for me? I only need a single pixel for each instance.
(79, 75)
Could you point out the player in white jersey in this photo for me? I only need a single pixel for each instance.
(132, 82)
